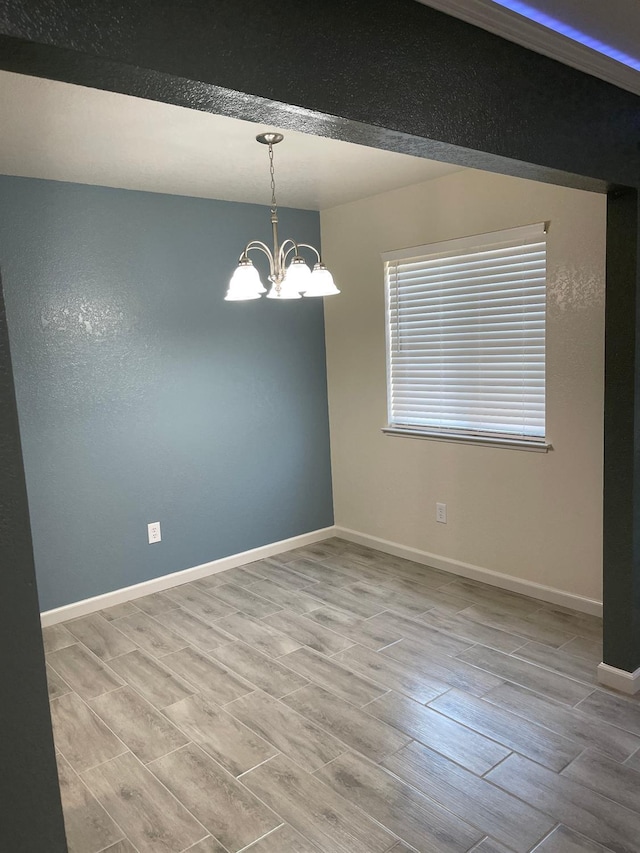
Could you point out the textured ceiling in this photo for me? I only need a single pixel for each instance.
(70, 133)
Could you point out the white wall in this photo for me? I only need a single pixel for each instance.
(532, 516)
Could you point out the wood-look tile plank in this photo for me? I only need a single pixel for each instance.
(83, 672)
(401, 808)
(233, 815)
(559, 661)
(125, 846)
(199, 602)
(288, 599)
(259, 670)
(307, 633)
(315, 811)
(354, 628)
(391, 674)
(289, 576)
(82, 738)
(446, 602)
(457, 625)
(623, 713)
(127, 608)
(563, 840)
(525, 674)
(486, 807)
(355, 568)
(536, 742)
(586, 649)
(417, 572)
(260, 568)
(56, 637)
(634, 761)
(570, 621)
(521, 624)
(453, 672)
(579, 808)
(146, 732)
(207, 675)
(509, 602)
(233, 745)
(150, 634)
(427, 638)
(197, 632)
(618, 782)
(459, 743)
(320, 573)
(155, 604)
(56, 685)
(333, 676)
(334, 546)
(239, 576)
(343, 599)
(242, 599)
(428, 578)
(256, 633)
(316, 551)
(150, 678)
(378, 576)
(89, 828)
(489, 845)
(283, 840)
(289, 732)
(354, 727)
(100, 636)
(584, 730)
(207, 845)
(151, 817)
(387, 599)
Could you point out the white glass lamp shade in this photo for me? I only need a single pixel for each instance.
(321, 282)
(245, 283)
(298, 275)
(285, 292)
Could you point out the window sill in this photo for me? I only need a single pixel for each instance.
(464, 438)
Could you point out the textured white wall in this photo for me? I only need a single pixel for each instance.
(533, 516)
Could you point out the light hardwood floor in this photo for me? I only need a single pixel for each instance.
(339, 700)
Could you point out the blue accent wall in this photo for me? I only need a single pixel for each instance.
(143, 396)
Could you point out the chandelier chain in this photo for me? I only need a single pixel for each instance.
(274, 204)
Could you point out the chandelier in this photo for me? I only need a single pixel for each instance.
(289, 273)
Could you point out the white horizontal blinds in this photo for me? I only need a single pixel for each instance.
(466, 334)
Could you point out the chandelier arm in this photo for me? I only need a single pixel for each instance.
(313, 249)
(291, 246)
(258, 244)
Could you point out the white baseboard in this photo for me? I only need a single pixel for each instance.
(455, 567)
(128, 593)
(467, 570)
(619, 679)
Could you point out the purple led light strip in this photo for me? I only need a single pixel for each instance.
(567, 30)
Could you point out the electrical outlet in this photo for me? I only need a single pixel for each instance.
(441, 513)
(154, 532)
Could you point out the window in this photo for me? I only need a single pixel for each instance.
(466, 337)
